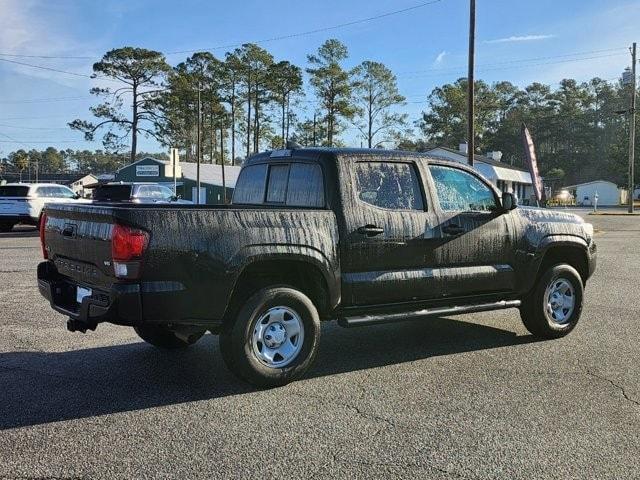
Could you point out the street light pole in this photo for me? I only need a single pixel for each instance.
(470, 83)
(632, 128)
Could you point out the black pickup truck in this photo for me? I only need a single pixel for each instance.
(361, 236)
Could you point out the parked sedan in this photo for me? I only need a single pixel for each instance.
(23, 202)
(135, 193)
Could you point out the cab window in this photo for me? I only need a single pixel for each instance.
(390, 185)
(460, 191)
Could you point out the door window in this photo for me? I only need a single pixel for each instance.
(390, 185)
(460, 191)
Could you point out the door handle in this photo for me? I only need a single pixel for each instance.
(370, 230)
(453, 229)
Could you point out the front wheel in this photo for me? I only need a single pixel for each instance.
(553, 309)
(163, 337)
(273, 339)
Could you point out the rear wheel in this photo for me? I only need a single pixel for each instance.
(553, 309)
(163, 337)
(273, 339)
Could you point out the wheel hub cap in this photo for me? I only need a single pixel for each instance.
(278, 335)
(275, 335)
(559, 301)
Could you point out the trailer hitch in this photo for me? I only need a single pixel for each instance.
(78, 326)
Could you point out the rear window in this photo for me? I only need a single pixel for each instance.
(14, 191)
(112, 193)
(251, 184)
(295, 184)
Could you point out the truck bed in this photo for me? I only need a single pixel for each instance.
(194, 256)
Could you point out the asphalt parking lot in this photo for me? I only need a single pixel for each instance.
(462, 397)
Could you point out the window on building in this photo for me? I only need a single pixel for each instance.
(390, 185)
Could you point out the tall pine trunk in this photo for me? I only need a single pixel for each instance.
(248, 118)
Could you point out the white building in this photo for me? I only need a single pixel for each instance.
(79, 186)
(584, 193)
(507, 178)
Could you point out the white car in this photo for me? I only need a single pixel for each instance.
(23, 202)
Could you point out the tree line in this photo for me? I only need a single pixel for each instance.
(241, 103)
(580, 130)
(247, 101)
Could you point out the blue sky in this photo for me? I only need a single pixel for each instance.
(425, 47)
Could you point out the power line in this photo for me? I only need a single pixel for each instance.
(46, 68)
(34, 117)
(17, 55)
(506, 67)
(549, 57)
(32, 128)
(272, 39)
(50, 142)
(317, 30)
(38, 100)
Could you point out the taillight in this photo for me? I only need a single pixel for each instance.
(43, 222)
(128, 243)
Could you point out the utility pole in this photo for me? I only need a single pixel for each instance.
(470, 83)
(199, 149)
(632, 128)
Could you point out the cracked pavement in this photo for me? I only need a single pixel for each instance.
(460, 397)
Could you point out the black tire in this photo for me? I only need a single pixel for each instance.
(237, 339)
(534, 312)
(161, 336)
(6, 227)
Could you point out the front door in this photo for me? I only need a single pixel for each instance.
(390, 234)
(475, 256)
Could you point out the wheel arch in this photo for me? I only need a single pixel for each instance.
(564, 249)
(307, 271)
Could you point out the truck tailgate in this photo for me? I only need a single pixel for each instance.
(78, 242)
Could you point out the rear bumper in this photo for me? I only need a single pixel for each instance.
(121, 304)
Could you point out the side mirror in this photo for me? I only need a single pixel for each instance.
(509, 201)
(77, 196)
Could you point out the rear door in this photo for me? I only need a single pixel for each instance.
(390, 233)
(476, 255)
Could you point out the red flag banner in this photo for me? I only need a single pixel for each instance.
(532, 162)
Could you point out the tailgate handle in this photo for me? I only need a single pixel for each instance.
(69, 231)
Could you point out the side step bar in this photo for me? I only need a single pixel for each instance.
(364, 320)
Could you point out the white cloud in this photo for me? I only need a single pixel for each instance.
(440, 58)
(520, 38)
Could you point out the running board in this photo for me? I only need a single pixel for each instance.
(364, 320)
